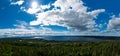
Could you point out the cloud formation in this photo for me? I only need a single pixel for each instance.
(20, 2)
(114, 24)
(17, 32)
(21, 24)
(66, 14)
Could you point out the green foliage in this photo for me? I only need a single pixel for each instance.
(36, 47)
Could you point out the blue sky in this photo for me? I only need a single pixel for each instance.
(61, 15)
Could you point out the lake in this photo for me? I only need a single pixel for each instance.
(77, 38)
(71, 38)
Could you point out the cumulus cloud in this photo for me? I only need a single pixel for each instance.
(66, 14)
(20, 2)
(114, 24)
(23, 29)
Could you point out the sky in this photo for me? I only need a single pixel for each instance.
(59, 17)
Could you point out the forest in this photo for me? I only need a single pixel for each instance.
(39, 47)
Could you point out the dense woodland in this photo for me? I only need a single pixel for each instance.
(37, 47)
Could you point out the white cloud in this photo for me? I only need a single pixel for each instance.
(36, 8)
(23, 32)
(114, 24)
(45, 6)
(34, 23)
(21, 24)
(32, 10)
(17, 32)
(48, 32)
(20, 2)
(25, 25)
(71, 14)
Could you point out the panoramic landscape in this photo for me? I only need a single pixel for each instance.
(59, 28)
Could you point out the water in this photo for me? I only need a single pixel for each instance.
(73, 38)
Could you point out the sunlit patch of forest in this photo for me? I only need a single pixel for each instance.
(38, 47)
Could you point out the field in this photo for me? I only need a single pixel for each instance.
(39, 47)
